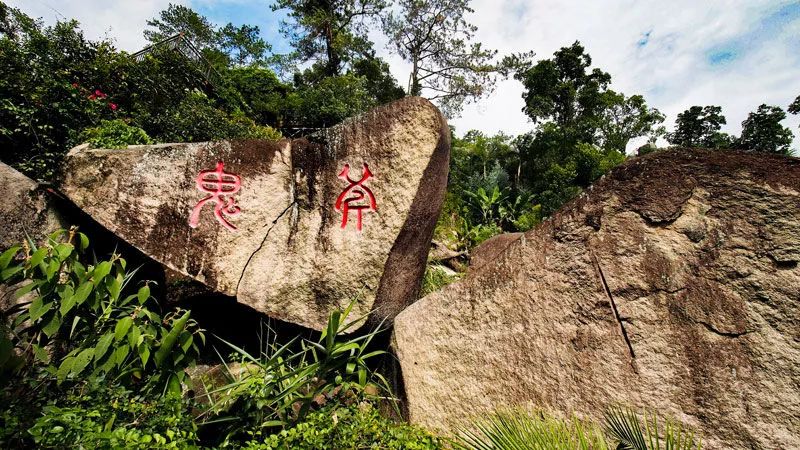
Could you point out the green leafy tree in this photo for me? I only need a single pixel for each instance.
(346, 78)
(583, 127)
(625, 118)
(55, 83)
(699, 126)
(221, 46)
(446, 65)
(271, 101)
(564, 90)
(243, 44)
(331, 33)
(762, 131)
(331, 100)
(378, 79)
(182, 19)
(794, 108)
(370, 84)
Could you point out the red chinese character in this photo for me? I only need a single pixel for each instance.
(222, 186)
(358, 192)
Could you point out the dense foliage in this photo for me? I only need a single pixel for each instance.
(349, 427)
(281, 385)
(59, 89)
(114, 134)
(88, 361)
(82, 332)
(500, 183)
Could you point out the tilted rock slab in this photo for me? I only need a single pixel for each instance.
(672, 284)
(290, 254)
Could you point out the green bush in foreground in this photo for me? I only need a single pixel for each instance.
(341, 427)
(100, 416)
(87, 362)
(85, 320)
(279, 387)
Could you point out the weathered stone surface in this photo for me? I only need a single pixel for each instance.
(25, 212)
(490, 249)
(289, 256)
(672, 284)
(25, 209)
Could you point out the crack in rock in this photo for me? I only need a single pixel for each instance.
(615, 312)
(263, 241)
(726, 334)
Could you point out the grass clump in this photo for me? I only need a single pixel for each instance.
(436, 277)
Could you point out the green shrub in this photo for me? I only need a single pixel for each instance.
(528, 219)
(114, 134)
(483, 232)
(288, 381)
(54, 84)
(328, 101)
(196, 119)
(348, 427)
(104, 417)
(84, 322)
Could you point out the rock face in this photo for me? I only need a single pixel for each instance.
(25, 212)
(25, 209)
(273, 231)
(672, 284)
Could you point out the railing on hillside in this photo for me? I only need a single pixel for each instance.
(184, 46)
(297, 132)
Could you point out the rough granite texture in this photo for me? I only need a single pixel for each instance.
(289, 257)
(672, 284)
(25, 212)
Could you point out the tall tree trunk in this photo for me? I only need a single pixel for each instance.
(414, 89)
(332, 67)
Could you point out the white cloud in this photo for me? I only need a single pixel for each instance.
(671, 70)
(123, 20)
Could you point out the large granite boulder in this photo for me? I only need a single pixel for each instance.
(26, 210)
(672, 284)
(291, 228)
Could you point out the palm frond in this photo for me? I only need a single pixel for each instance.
(518, 429)
(625, 426)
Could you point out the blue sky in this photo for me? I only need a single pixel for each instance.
(677, 53)
(249, 12)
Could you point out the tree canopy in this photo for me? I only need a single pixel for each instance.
(330, 33)
(699, 126)
(222, 46)
(762, 131)
(446, 65)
